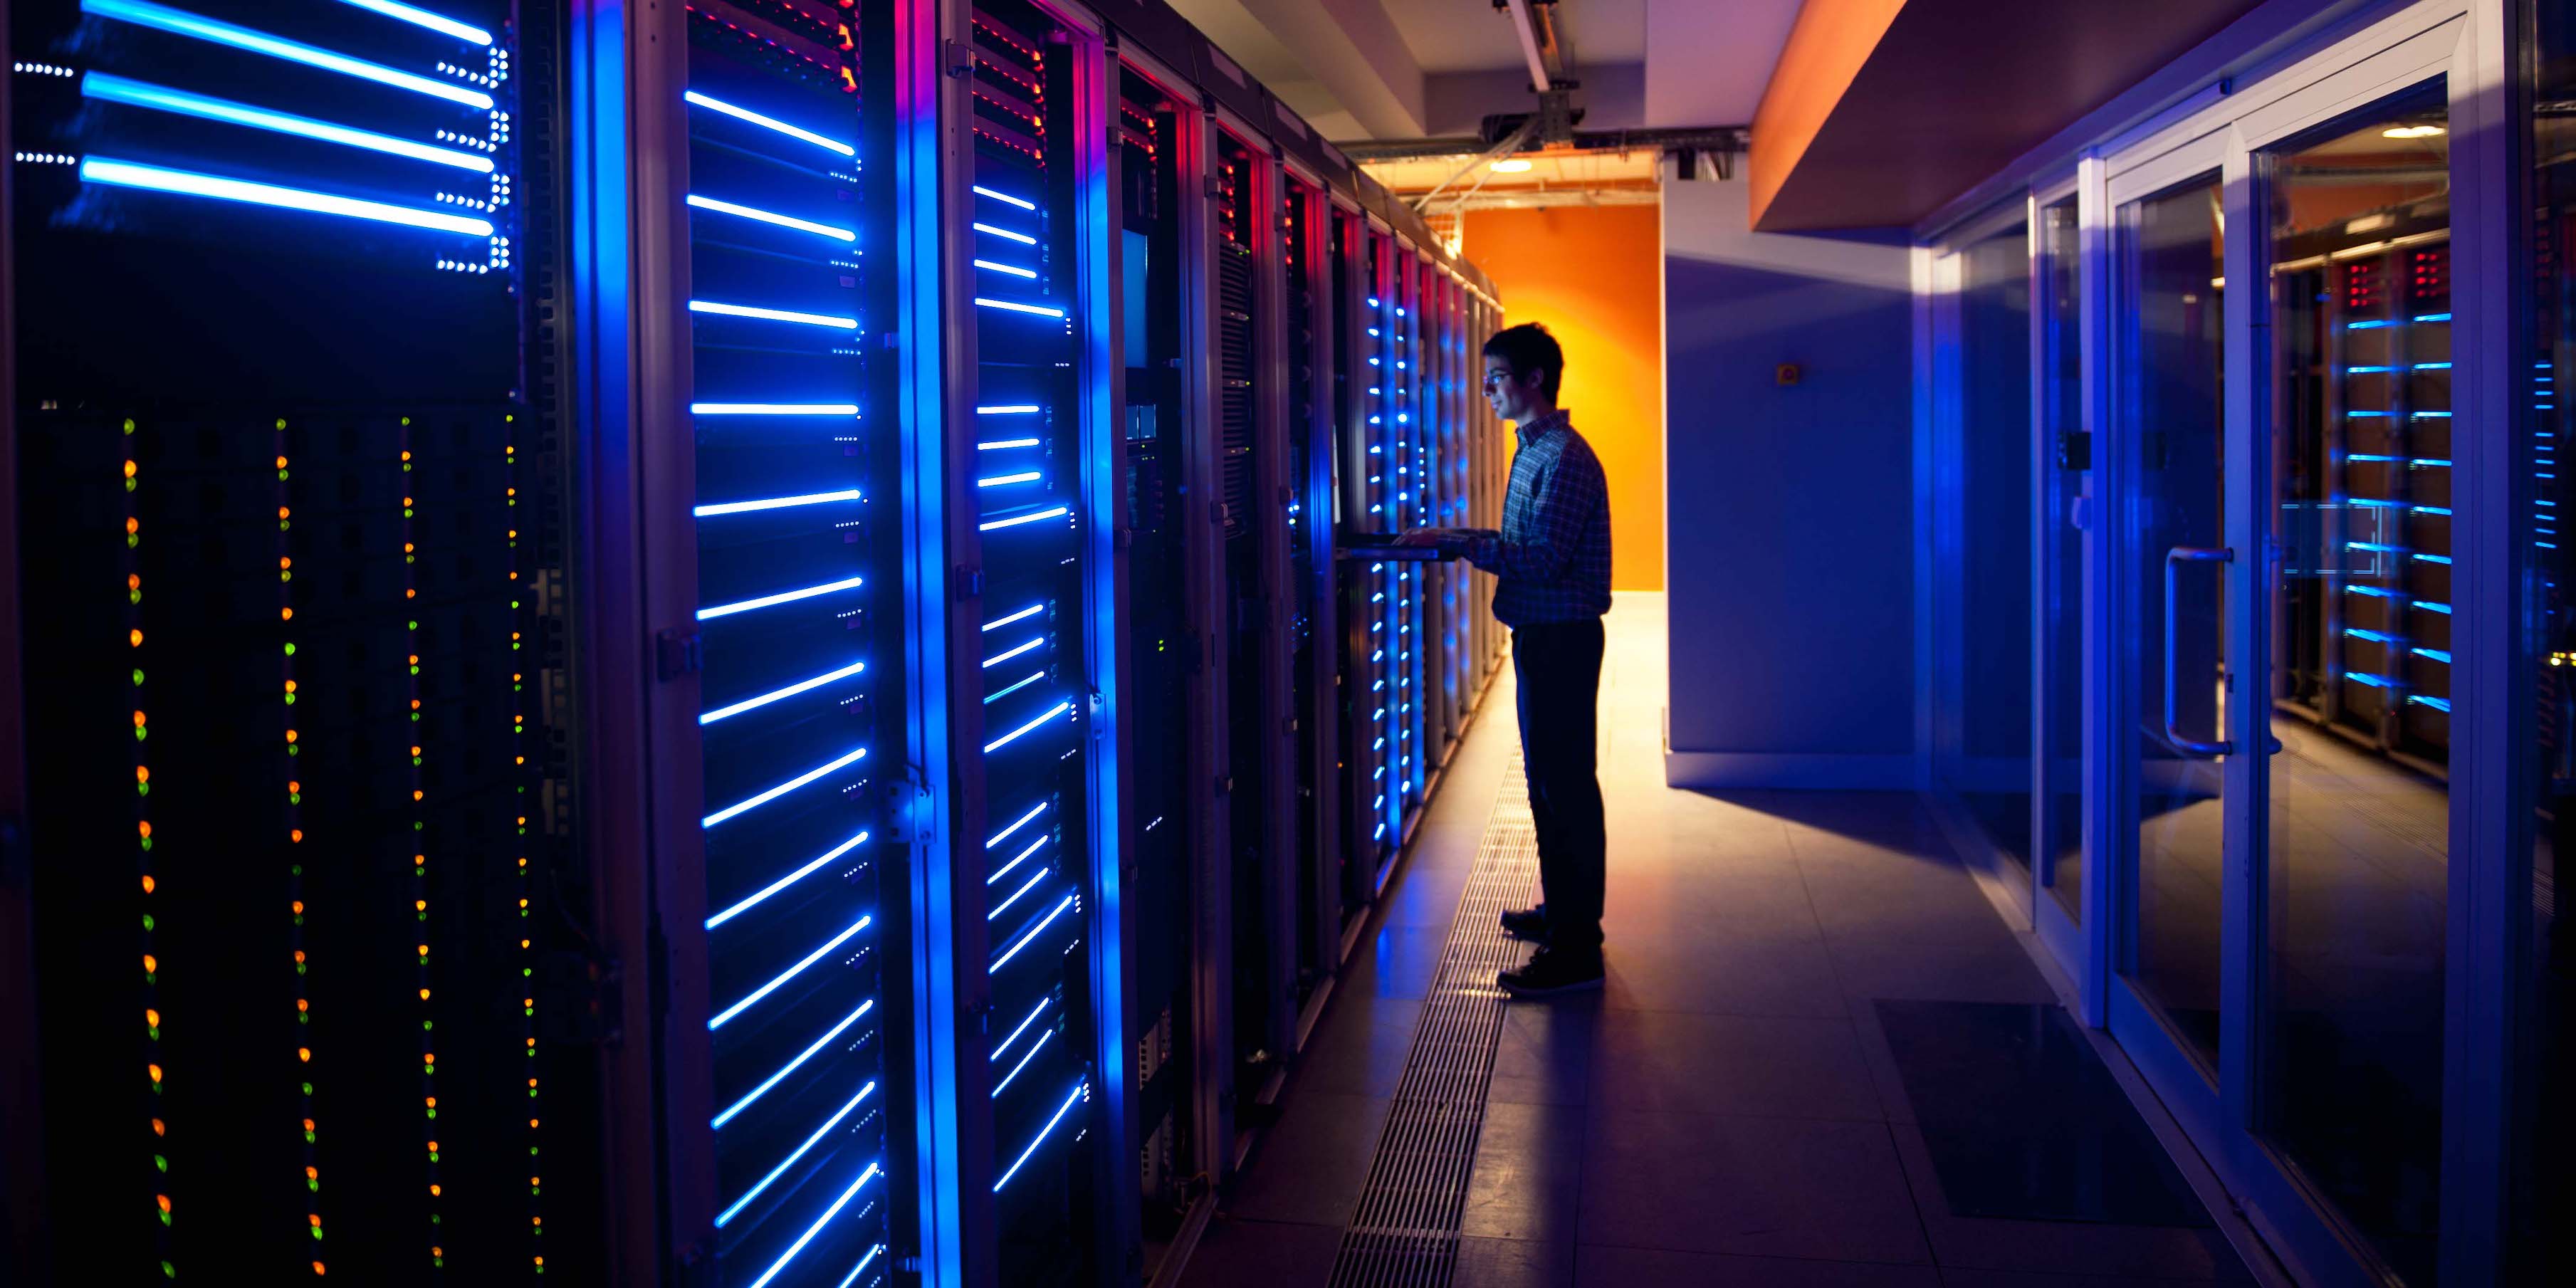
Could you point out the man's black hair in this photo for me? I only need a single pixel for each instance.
(1527, 348)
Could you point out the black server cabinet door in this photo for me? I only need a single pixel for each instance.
(800, 625)
(1030, 763)
(295, 604)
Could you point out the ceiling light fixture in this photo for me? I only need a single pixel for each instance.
(2412, 132)
(1513, 165)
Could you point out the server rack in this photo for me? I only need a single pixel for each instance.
(311, 959)
(2365, 636)
(1307, 277)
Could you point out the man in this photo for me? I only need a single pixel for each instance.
(1552, 557)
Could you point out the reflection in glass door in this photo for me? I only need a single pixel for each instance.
(2359, 607)
(2066, 462)
(2173, 605)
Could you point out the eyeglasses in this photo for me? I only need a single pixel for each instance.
(1493, 378)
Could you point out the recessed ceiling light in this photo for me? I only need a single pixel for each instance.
(1513, 166)
(2412, 132)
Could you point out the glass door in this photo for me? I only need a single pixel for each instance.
(2168, 617)
(2065, 464)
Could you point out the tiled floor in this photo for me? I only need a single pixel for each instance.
(1727, 1111)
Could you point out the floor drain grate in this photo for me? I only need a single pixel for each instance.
(1404, 1233)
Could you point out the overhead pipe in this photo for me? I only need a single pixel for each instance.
(1525, 25)
(1724, 138)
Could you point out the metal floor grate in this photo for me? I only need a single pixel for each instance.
(1404, 1233)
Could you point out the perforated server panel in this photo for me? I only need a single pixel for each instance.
(291, 455)
(801, 629)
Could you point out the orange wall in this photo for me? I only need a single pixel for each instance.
(1593, 275)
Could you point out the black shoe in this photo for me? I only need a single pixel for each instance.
(1551, 973)
(1528, 925)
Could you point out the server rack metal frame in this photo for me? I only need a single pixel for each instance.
(1317, 507)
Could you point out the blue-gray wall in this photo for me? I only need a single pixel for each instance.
(1790, 528)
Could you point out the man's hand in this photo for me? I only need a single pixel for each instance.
(1438, 538)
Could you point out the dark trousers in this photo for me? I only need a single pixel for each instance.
(1559, 668)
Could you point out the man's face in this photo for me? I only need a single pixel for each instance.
(1512, 398)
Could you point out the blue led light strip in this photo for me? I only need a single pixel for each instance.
(1043, 1133)
(782, 597)
(1024, 821)
(782, 789)
(1002, 444)
(1010, 409)
(766, 217)
(1034, 1013)
(814, 1229)
(726, 1216)
(1014, 1074)
(1034, 932)
(1005, 905)
(773, 409)
(128, 174)
(862, 1267)
(982, 191)
(783, 882)
(119, 89)
(468, 33)
(1012, 269)
(2442, 705)
(143, 13)
(1020, 616)
(774, 315)
(790, 1067)
(1005, 480)
(726, 1016)
(1018, 859)
(1039, 309)
(991, 662)
(998, 695)
(770, 123)
(1056, 513)
(1052, 712)
(775, 503)
(774, 695)
(1022, 238)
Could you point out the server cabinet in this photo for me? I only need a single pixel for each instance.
(1315, 665)
(311, 948)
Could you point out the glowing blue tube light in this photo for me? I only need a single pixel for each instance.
(782, 789)
(768, 217)
(1056, 513)
(773, 409)
(118, 89)
(2433, 559)
(1043, 1133)
(782, 597)
(1024, 821)
(1039, 309)
(1012, 269)
(1009, 409)
(2375, 547)
(1018, 859)
(128, 174)
(774, 315)
(769, 123)
(726, 1216)
(1006, 739)
(1034, 1012)
(2375, 637)
(775, 503)
(997, 696)
(791, 1066)
(1022, 238)
(1005, 905)
(2431, 607)
(862, 1267)
(1020, 616)
(2442, 705)
(143, 13)
(774, 695)
(1005, 197)
(2441, 655)
(2433, 317)
(1005, 480)
(1014, 1075)
(996, 660)
(2369, 326)
(1033, 933)
(471, 35)
(814, 1229)
(786, 881)
(727, 1014)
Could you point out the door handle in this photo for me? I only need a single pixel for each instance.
(2174, 560)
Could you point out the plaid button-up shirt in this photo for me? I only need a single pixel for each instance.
(1552, 555)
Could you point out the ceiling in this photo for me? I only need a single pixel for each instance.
(1392, 69)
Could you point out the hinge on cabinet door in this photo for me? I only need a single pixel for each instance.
(1215, 186)
(957, 58)
(909, 808)
(969, 580)
(1216, 511)
(676, 655)
(1224, 784)
(1095, 705)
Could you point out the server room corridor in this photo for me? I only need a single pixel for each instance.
(1821, 1058)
